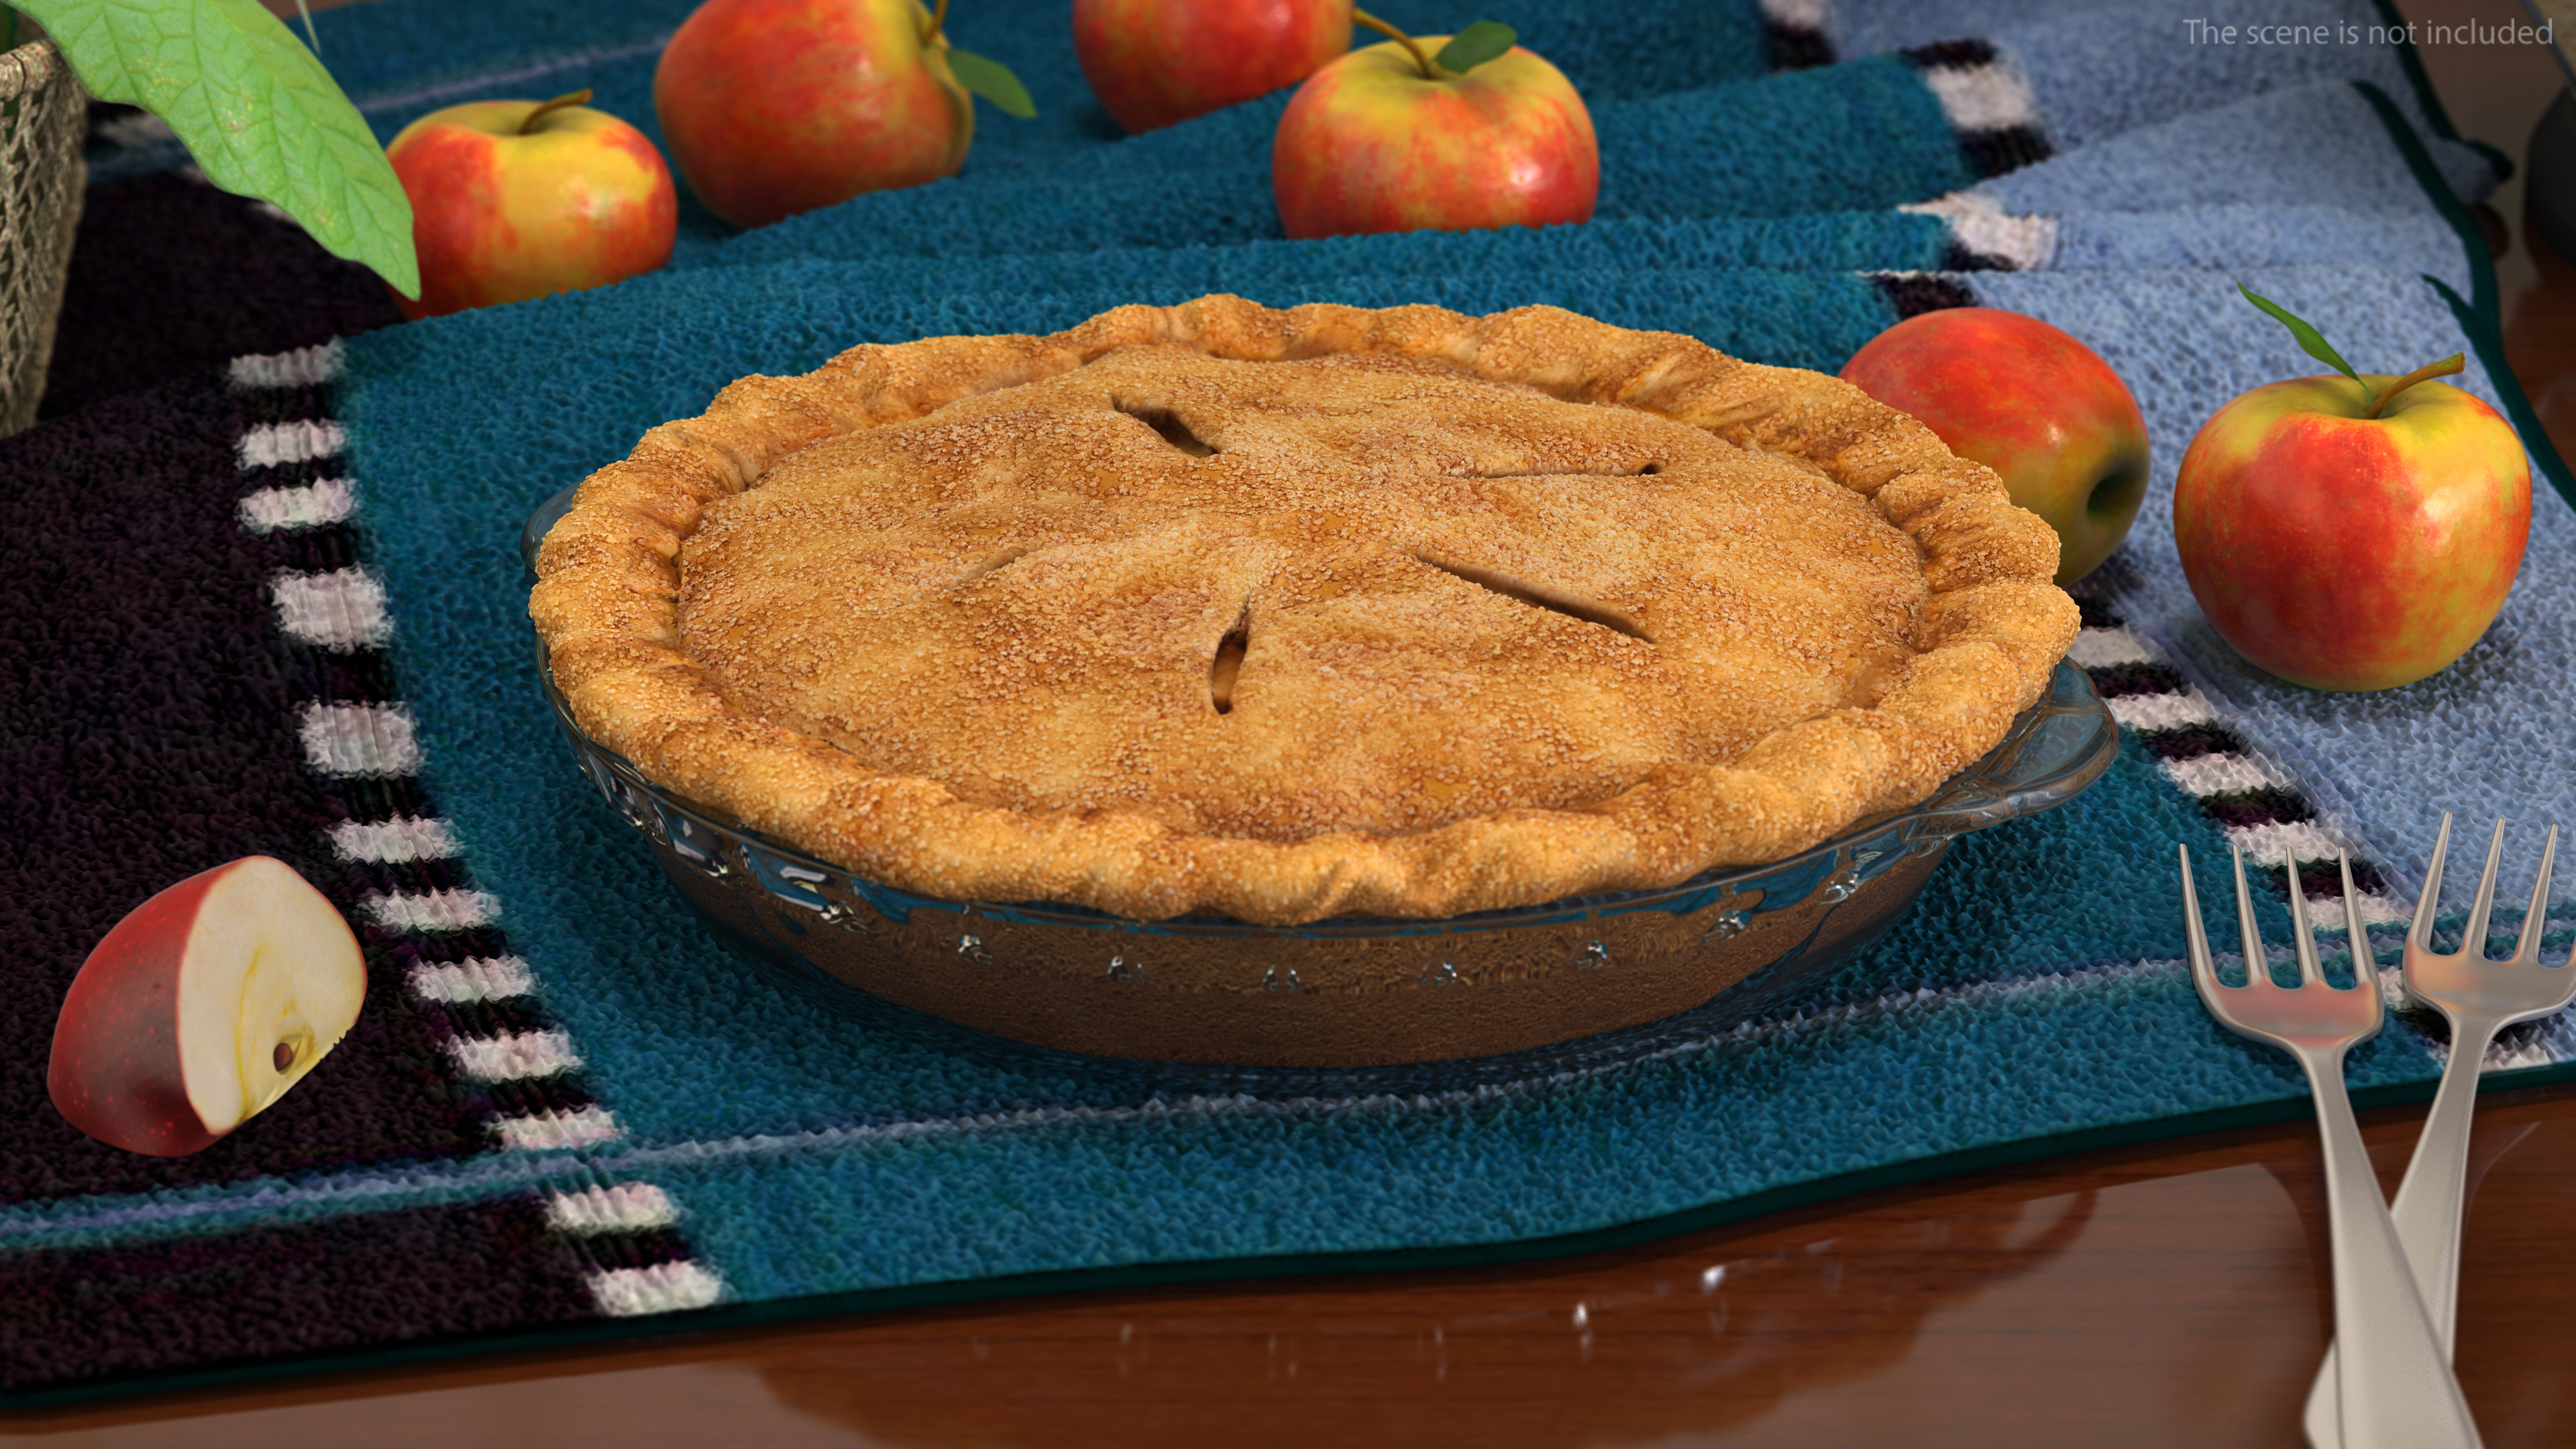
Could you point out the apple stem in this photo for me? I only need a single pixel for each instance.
(2456, 362)
(570, 98)
(938, 18)
(1429, 71)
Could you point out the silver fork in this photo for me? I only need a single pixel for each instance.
(2394, 1388)
(2479, 998)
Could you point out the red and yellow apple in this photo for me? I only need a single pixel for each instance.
(2348, 545)
(2027, 400)
(202, 1007)
(772, 107)
(518, 199)
(1154, 62)
(1386, 139)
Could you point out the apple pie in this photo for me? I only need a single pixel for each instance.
(1283, 615)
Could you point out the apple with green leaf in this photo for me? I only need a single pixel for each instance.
(2029, 401)
(774, 107)
(1154, 62)
(2352, 532)
(518, 199)
(1441, 134)
(202, 1007)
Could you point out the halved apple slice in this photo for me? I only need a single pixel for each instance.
(203, 1006)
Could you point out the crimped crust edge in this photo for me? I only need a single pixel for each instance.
(1994, 626)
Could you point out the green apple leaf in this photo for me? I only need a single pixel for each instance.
(2310, 341)
(257, 111)
(993, 81)
(1475, 45)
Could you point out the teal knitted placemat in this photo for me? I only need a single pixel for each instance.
(658, 1138)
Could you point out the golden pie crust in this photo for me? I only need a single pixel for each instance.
(1283, 615)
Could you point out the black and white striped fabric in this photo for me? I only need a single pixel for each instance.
(411, 880)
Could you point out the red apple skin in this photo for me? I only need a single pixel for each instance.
(1369, 145)
(581, 201)
(774, 107)
(2346, 553)
(115, 1067)
(1154, 62)
(249, 954)
(2029, 401)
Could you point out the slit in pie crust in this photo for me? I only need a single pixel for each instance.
(1292, 614)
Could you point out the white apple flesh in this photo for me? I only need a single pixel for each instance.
(203, 1006)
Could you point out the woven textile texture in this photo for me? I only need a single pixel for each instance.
(43, 121)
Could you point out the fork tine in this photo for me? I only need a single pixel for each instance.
(2258, 966)
(2526, 947)
(2310, 974)
(2419, 936)
(2365, 967)
(2204, 974)
(2474, 938)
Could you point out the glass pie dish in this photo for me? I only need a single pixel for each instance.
(1347, 991)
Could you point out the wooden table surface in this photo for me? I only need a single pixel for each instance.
(2155, 1296)
(2159, 1296)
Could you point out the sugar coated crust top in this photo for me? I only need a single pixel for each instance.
(1452, 614)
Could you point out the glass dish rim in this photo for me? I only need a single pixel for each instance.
(2005, 783)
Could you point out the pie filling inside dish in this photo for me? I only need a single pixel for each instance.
(1293, 614)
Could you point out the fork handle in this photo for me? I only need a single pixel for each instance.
(2427, 1210)
(2393, 1381)
(2434, 1194)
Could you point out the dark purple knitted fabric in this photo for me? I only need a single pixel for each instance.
(148, 731)
(147, 716)
(171, 277)
(385, 1280)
